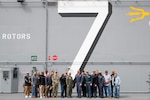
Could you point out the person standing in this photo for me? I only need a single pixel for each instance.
(63, 84)
(51, 88)
(47, 84)
(65, 88)
(94, 84)
(107, 84)
(78, 81)
(55, 83)
(88, 81)
(117, 83)
(101, 81)
(69, 82)
(27, 85)
(41, 84)
(83, 84)
(35, 81)
(112, 84)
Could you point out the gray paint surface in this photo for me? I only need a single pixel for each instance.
(121, 41)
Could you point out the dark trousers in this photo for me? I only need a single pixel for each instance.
(100, 89)
(83, 90)
(88, 89)
(112, 88)
(65, 89)
(91, 90)
(62, 90)
(94, 90)
(50, 92)
(78, 90)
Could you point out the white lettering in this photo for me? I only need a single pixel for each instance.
(23, 36)
(3, 36)
(8, 36)
(28, 36)
(13, 36)
(16, 36)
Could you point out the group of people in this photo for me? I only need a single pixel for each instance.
(106, 84)
(46, 84)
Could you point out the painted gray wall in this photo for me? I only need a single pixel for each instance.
(121, 41)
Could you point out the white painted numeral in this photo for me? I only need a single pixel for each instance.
(102, 11)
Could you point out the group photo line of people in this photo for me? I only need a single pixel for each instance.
(46, 84)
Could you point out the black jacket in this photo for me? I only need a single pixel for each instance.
(27, 80)
(42, 80)
(63, 81)
(94, 79)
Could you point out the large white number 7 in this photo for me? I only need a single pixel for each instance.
(102, 11)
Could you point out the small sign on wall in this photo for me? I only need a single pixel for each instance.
(5, 75)
(33, 58)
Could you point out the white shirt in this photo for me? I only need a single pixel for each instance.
(107, 79)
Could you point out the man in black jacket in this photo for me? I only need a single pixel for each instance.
(112, 84)
(63, 84)
(27, 85)
(94, 84)
(41, 84)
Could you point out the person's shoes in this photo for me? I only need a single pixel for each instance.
(29, 96)
(95, 96)
(101, 96)
(26, 96)
(41, 97)
(117, 97)
(110, 97)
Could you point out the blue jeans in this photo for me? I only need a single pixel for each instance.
(107, 90)
(62, 90)
(88, 89)
(117, 91)
(34, 90)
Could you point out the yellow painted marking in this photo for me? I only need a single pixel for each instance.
(138, 12)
